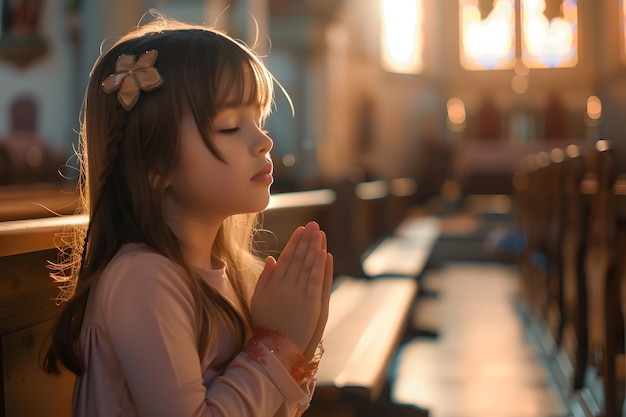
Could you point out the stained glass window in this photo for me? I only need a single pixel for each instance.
(549, 33)
(487, 34)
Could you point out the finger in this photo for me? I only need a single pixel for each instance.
(268, 269)
(325, 300)
(305, 270)
(315, 276)
(324, 241)
(328, 284)
(314, 228)
(288, 252)
(301, 255)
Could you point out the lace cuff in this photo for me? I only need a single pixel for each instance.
(301, 369)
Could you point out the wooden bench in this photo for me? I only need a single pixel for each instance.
(586, 244)
(538, 213)
(36, 201)
(359, 214)
(367, 321)
(373, 229)
(574, 339)
(603, 262)
(287, 211)
(553, 247)
(406, 251)
(27, 306)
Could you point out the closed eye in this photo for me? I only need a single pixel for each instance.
(229, 131)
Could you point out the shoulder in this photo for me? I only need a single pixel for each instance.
(137, 263)
(140, 257)
(139, 275)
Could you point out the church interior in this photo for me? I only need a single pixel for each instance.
(465, 158)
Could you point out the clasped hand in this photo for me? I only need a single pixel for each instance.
(292, 294)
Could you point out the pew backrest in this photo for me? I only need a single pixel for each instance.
(36, 201)
(27, 308)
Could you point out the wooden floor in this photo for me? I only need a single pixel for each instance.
(483, 363)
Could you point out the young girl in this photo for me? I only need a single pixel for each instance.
(170, 313)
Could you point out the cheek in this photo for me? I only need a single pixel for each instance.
(196, 178)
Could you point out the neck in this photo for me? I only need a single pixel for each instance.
(196, 237)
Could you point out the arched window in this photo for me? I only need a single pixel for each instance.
(487, 34)
(548, 33)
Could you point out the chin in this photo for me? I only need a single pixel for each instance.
(262, 202)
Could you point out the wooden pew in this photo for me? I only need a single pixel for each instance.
(522, 221)
(405, 252)
(573, 345)
(367, 321)
(36, 200)
(554, 238)
(536, 233)
(535, 220)
(590, 354)
(378, 235)
(287, 211)
(599, 262)
(360, 216)
(399, 203)
(616, 282)
(602, 395)
(26, 308)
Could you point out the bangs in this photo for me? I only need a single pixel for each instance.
(243, 80)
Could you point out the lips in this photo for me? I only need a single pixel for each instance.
(264, 175)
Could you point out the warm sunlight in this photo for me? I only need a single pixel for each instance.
(487, 43)
(549, 43)
(401, 36)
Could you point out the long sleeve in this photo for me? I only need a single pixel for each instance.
(143, 317)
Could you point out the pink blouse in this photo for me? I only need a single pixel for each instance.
(139, 347)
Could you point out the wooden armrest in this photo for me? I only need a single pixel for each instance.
(322, 197)
(406, 252)
(398, 256)
(428, 228)
(37, 200)
(367, 319)
(24, 236)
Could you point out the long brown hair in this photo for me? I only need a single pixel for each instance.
(119, 150)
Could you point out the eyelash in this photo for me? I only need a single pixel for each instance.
(229, 131)
(236, 129)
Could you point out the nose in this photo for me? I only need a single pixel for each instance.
(265, 143)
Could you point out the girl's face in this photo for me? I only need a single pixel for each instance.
(204, 187)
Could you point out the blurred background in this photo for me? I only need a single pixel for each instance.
(451, 93)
